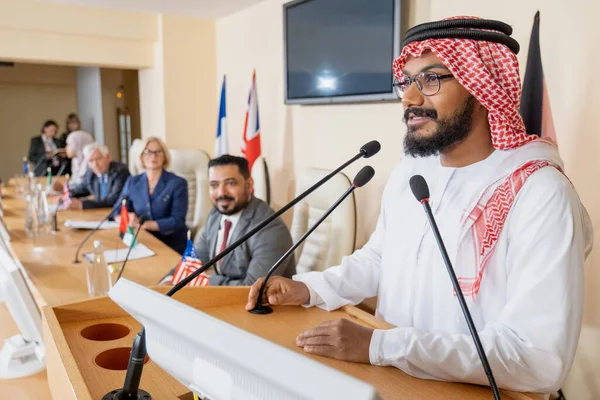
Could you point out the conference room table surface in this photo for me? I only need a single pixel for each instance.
(56, 279)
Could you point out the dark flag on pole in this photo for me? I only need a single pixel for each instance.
(535, 104)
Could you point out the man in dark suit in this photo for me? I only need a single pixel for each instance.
(236, 211)
(104, 180)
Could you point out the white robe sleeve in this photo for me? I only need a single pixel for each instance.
(531, 345)
(354, 280)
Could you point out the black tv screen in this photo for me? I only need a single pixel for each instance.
(340, 50)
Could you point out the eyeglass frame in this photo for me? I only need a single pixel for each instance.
(413, 79)
(149, 153)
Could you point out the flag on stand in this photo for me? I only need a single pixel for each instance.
(221, 146)
(535, 103)
(251, 139)
(188, 265)
(125, 229)
(66, 195)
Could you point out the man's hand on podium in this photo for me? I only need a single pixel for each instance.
(340, 339)
(279, 292)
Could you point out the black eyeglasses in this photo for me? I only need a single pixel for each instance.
(428, 83)
(150, 153)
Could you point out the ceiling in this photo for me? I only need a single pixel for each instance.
(208, 9)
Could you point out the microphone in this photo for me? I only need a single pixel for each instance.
(133, 241)
(131, 386)
(419, 187)
(366, 151)
(37, 164)
(109, 216)
(130, 389)
(361, 179)
(63, 165)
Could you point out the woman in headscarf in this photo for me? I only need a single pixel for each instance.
(76, 141)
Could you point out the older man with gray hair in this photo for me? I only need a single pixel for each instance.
(104, 180)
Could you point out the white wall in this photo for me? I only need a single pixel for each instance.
(29, 95)
(152, 91)
(44, 32)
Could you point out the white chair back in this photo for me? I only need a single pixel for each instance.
(262, 185)
(335, 237)
(192, 165)
(133, 157)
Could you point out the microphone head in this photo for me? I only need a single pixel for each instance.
(364, 176)
(370, 149)
(419, 187)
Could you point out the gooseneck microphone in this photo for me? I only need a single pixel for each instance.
(63, 165)
(89, 235)
(131, 245)
(366, 151)
(419, 187)
(361, 179)
(131, 387)
(39, 162)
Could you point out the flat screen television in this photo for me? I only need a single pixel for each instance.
(340, 50)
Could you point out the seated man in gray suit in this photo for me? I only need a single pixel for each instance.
(104, 180)
(236, 211)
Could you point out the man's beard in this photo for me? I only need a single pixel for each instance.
(449, 131)
(237, 206)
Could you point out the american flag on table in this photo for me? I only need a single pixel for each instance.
(188, 265)
(66, 195)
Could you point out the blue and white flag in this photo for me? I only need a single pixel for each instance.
(221, 140)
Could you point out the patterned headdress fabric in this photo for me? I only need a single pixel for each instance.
(482, 57)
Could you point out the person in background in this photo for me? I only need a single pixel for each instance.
(235, 212)
(158, 195)
(42, 149)
(76, 141)
(72, 124)
(104, 180)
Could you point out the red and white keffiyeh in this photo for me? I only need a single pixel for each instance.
(490, 72)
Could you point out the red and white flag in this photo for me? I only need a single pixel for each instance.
(251, 140)
(188, 265)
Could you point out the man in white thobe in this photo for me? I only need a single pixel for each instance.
(514, 227)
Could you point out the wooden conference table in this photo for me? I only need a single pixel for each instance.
(49, 263)
(57, 280)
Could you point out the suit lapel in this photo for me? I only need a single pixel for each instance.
(241, 228)
(212, 231)
(160, 185)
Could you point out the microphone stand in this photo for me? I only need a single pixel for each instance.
(421, 192)
(131, 386)
(259, 307)
(109, 216)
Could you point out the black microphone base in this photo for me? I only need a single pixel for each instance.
(117, 394)
(262, 310)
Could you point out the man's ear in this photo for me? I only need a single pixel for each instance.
(250, 183)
